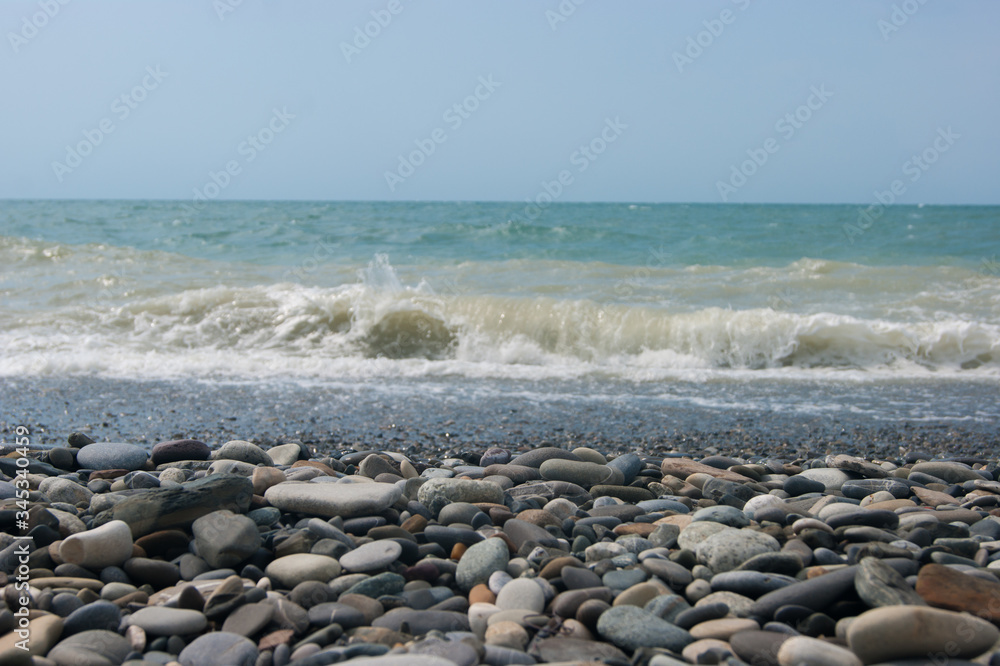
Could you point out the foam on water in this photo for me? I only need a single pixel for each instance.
(378, 326)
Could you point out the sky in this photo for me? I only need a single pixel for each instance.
(774, 101)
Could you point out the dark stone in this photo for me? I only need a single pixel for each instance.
(886, 520)
(98, 615)
(157, 573)
(758, 647)
(751, 584)
(164, 508)
(817, 625)
(416, 622)
(787, 564)
(699, 614)
(801, 485)
(861, 488)
(673, 574)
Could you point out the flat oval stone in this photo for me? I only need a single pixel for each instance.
(334, 499)
(179, 449)
(420, 622)
(861, 488)
(723, 628)
(290, 570)
(373, 556)
(901, 632)
(111, 455)
(536, 457)
(583, 474)
(165, 621)
(951, 472)
(887, 520)
(804, 650)
(751, 584)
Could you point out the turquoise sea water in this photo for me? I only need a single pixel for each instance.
(647, 297)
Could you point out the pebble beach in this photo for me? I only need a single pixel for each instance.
(232, 553)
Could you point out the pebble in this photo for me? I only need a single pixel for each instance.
(290, 570)
(111, 455)
(554, 558)
(165, 621)
(373, 556)
(521, 594)
(179, 449)
(108, 545)
(333, 499)
(902, 632)
(225, 539)
(436, 493)
(631, 628)
(219, 647)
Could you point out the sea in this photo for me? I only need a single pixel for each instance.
(681, 313)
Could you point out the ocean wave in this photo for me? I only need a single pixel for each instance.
(379, 326)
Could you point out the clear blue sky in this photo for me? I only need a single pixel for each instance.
(198, 81)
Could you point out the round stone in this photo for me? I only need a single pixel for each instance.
(290, 570)
(58, 489)
(246, 452)
(224, 539)
(373, 556)
(521, 594)
(219, 647)
(480, 561)
(695, 533)
(336, 499)
(727, 550)
(111, 455)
